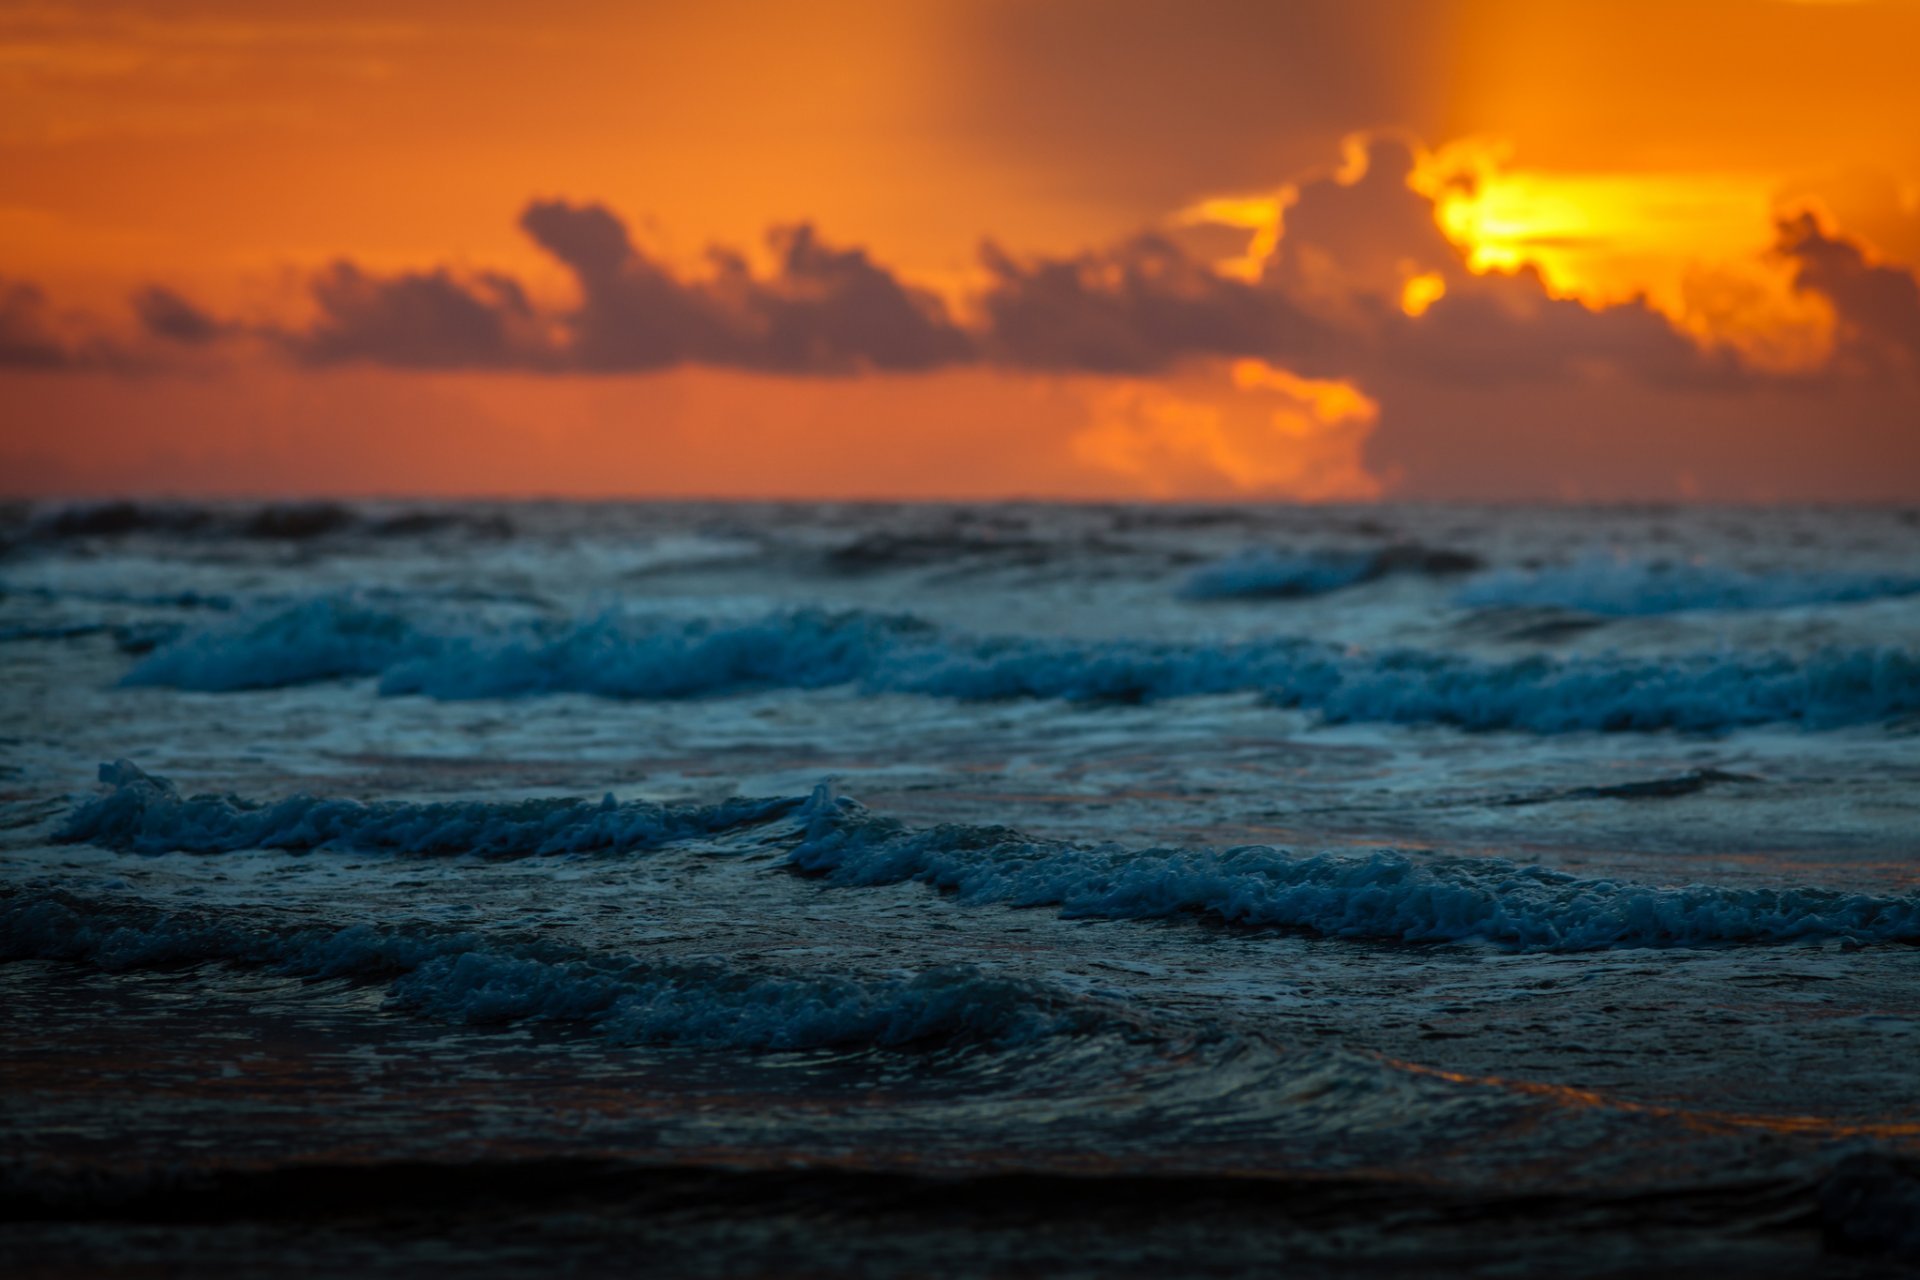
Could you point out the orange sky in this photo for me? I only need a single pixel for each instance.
(1463, 248)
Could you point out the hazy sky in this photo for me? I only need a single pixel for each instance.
(1393, 248)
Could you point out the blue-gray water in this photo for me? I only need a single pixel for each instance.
(1014, 889)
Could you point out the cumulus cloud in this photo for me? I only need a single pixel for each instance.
(1246, 430)
(166, 315)
(822, 309)
(1136, 307)
(1382, 357)
(1349, 240)
(1877, 304)
(1352, 242)
(1505, 327)
(27, 336)
(1326, 297)
(418, 320)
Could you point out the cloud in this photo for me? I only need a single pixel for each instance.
(1360, 283)
(1348, 241)
(1140, 306)
(823, 309)
(27, 336)
(165, 314)
(1243, 430)
(1878, 304)
(633, 314)
(1505, 327)
(832, 309)
(1457, 382)
(1362, 248)
(417, 320)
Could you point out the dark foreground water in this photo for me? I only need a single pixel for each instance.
(1013, 890)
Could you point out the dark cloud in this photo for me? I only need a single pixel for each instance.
(27, 336)
(1137, 307)
(830, 309)
(1878, 304)
(165, 314)
(634, 314)
(1869, 202)
(417, 320)
(1505, 327)
(1327, 303)
(822, 310)
(1348, 247)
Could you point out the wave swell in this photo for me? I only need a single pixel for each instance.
(1608, 586)
(463, 977)
(1381, 896)
(1263, 574)
(623, 656)
(147, 814)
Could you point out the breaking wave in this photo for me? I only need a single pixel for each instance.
(320, 639)
(624, 656)
(1272, 575)
(464, 977)
(1382, 896)
(147, 814)
(1613, 587)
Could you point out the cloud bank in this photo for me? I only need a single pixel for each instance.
(1349, 346)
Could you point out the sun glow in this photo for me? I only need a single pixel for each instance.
(1259, 215)
(1421, 292)
(1695, 246)
(1595, 235)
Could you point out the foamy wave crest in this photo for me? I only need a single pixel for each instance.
(464, 977)
(619, 655)
(145, 814)
(622, 656)
(322, 639)
(1382, 896)
(1263, 574)
(1615, 587)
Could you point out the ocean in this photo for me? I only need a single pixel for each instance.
(973, 890)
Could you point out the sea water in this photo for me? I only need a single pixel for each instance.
(998, 889)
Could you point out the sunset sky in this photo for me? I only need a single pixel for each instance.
(962, 248)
